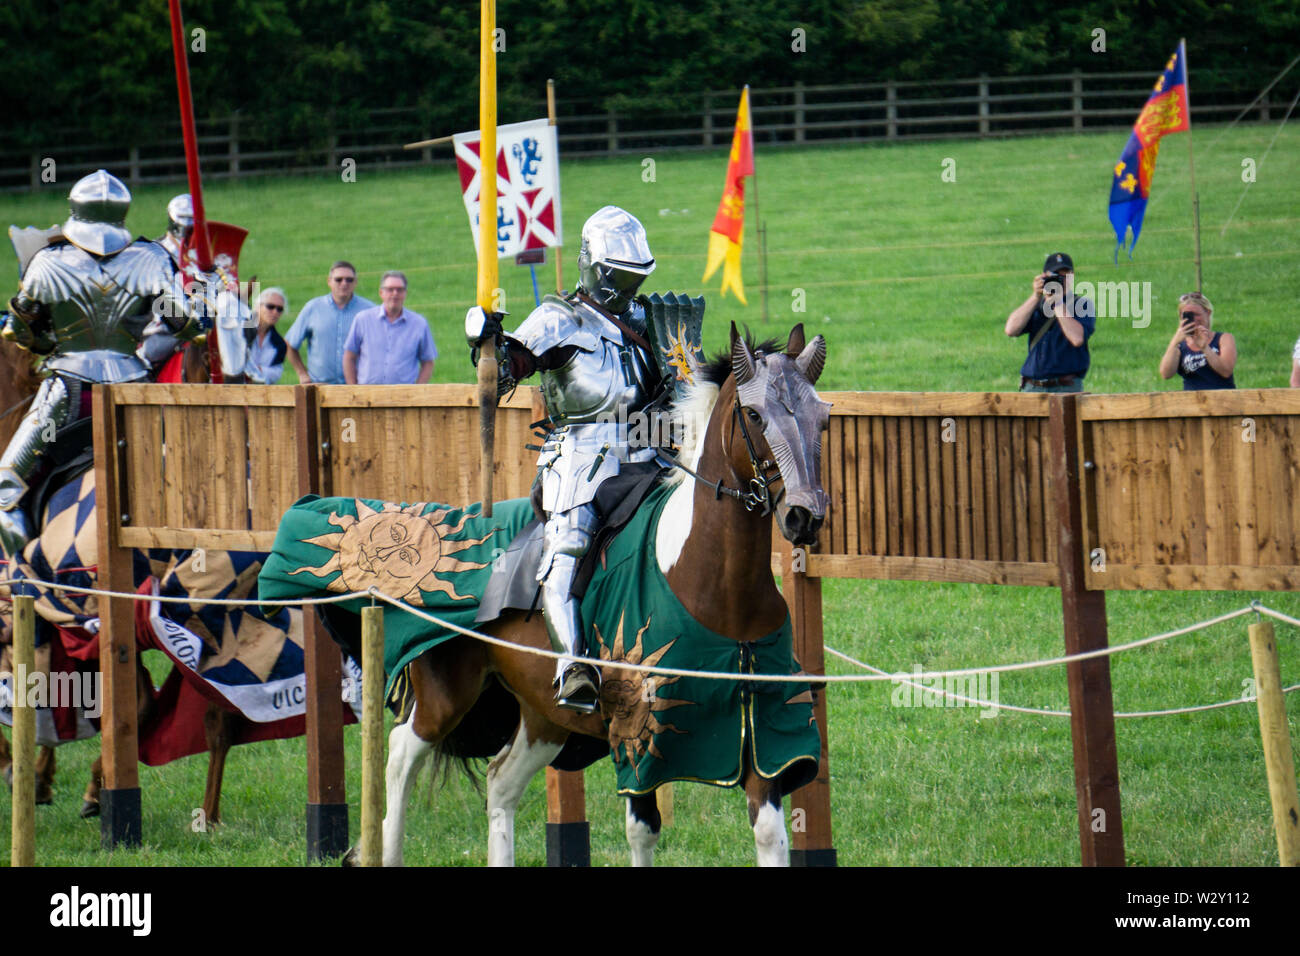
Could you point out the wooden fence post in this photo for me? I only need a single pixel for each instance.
(1076, 103)
(22, 849)
(891, 110)
(1278, 761)
(708, 120)
(799, 116)
(327, 805)
(611, 131)
(232, 145)
(372, 736)
(1092, 710)
(119, 798)
(983, 105)
(133, 166)
(810, 806)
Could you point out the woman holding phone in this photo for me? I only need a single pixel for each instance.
(1204, 358)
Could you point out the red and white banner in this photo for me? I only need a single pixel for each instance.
(528, 185)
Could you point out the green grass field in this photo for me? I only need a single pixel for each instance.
(910, 278)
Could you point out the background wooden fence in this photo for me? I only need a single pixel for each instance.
(240, 146)
(1081, 492)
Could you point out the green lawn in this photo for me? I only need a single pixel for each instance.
(910, 278)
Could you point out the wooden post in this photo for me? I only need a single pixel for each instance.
(891, 110)
(1092, 711)
(983, 105)
(232, 146)
(568, 834)
(327, 804)
(23, 847)
(708, 121)
(372, 736)
(1076, 103)
(611, 131)
(119, 799)
(799, 115)
(133, 166)
(1277, 742)
(810, 806)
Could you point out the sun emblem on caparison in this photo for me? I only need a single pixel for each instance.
(630, 700)
(398, 551)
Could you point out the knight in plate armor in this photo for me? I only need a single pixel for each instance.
(596, 372)
(90, 299)
(180, 223)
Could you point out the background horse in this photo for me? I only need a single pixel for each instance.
(221, 726)
(763, 415)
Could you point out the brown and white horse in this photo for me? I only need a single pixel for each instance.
(715, 554)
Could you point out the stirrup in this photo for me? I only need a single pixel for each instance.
(579, 689)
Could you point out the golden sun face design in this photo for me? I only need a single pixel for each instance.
(630, 701)
(680, 356)
(396, 550)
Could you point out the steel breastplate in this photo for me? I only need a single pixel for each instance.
(98, 305)
(609, 382)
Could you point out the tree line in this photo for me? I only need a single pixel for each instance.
(105, 66)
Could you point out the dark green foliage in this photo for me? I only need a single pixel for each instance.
(286, 65)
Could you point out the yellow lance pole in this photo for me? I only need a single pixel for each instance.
(550, 118)
(487, 244)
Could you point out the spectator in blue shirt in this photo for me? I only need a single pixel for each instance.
(326, 320)
(266, 347)
(389, 344)
(1058, 324)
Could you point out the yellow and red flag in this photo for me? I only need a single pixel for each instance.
(726, 236)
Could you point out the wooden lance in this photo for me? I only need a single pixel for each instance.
(487, 245)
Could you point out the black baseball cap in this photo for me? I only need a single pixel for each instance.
(1058, 261)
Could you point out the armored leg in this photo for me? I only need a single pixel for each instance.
(52, 408)
(568, 537)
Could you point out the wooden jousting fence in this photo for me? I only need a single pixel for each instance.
(1084, 493)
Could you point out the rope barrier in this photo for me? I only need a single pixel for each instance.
(877, 675)
(997, 705)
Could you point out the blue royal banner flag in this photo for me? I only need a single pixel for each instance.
(1166, 111)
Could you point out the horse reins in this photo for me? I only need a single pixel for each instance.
(760, 486)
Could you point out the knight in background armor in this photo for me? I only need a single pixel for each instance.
(90, 299)
(591, 353)
(180, 223)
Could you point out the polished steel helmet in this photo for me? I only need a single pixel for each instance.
(99, 204)
(180, 217)
(614, 258)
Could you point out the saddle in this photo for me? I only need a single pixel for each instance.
(513, 585)
(69, 456)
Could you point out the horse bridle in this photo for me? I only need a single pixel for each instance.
(760, 486)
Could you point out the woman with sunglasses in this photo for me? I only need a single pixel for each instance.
(1204, 358)
(266, 347)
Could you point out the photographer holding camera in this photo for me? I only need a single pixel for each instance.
(1059, 325)
(1205, 359)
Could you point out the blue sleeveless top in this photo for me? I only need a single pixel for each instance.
(1195, 369)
